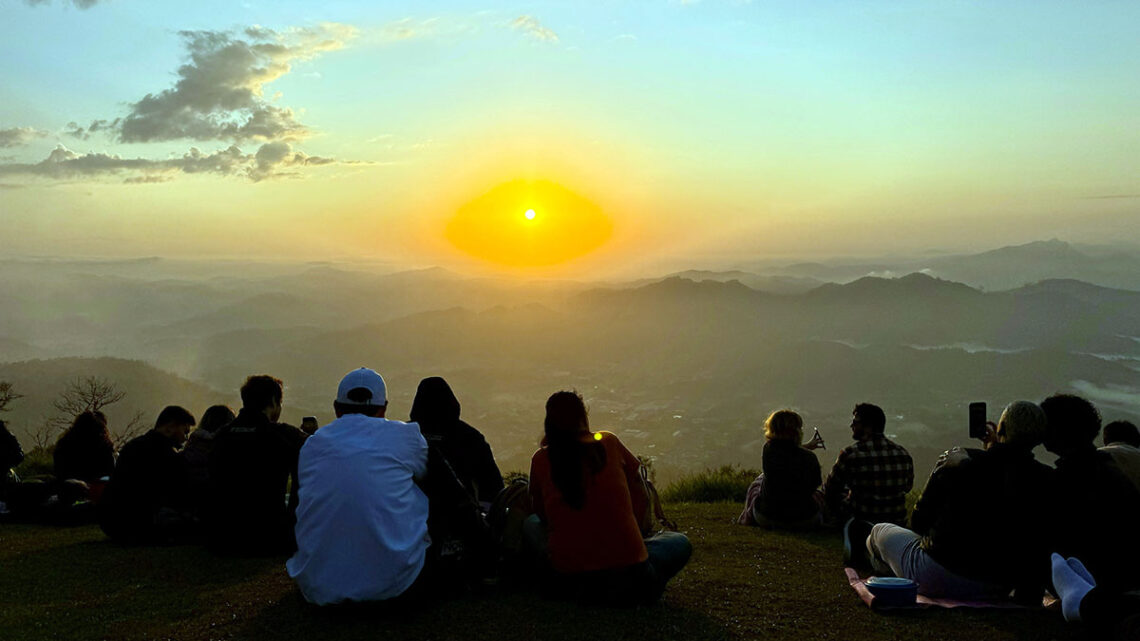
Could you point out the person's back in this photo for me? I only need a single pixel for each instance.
(362, 520)
(986, 517)
(1097, 518)
(436, 410)
(791, 476)
(85, 452)
(149, 488)
(251, 463)
(1097, 503)
(871, 477)
(11, 455)
(603, 533)
(1122, 443)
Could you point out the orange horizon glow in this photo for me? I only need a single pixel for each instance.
(529, 223)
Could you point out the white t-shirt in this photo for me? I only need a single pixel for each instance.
(361, 521)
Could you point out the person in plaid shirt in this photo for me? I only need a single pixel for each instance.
(871, 477)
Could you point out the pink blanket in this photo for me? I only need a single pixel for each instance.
(926, 602)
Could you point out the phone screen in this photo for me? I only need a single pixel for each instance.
(977, 420)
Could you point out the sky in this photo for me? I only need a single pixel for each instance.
(696, 133)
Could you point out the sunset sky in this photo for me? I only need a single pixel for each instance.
(699, 131)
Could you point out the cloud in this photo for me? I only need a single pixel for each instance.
(219, 93)
(19, 136)
(533, 28)
(272, 160)
(79, 4)
(75, 130)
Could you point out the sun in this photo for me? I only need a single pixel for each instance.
(489, 226)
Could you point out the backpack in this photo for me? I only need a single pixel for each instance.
(654, 519)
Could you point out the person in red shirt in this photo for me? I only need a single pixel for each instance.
(586, 492)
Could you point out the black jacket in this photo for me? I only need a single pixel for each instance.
(150, 475)
(436, 410)
(988, 517)
(791, 476)
(251, 465)
(1098, 518)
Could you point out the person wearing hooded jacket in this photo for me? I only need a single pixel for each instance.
(436, 410)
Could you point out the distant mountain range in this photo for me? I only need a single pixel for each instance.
(686, 364)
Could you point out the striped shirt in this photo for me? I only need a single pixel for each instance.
(872, 478)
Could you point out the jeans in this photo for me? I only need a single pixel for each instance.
(896, 550)
(638, 584)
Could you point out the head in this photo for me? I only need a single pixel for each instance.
(867, 420)
(784, 425)
(263, 394)
(215, 418)
(174, 423)
(435, 403)
(361, 391)
(1124, 432)
(1072, 424)
(1022, 425)
(572, 453)
(89, 427)
(566, 416)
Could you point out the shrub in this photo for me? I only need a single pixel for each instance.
(726, 483)
(37, 462)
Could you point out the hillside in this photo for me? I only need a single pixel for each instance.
(742, 583)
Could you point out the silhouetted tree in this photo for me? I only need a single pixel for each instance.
(7, 395)
(88, 394)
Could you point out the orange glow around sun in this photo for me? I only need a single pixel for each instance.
(529, 223)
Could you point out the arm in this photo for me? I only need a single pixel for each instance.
(534, 487)
(638, 494)
(933, 498)
(489, 480)
(835, 487)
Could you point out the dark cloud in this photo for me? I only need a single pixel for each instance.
(75, 130)
(219, 94)
(272, 160)
(19, 136)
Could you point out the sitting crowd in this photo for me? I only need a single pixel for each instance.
(374, 509)
(992, 523)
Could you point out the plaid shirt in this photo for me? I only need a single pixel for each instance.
(872, 477)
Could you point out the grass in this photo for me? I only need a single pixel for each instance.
(742, 583)
(725, 483)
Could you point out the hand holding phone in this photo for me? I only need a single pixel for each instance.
(815, 442)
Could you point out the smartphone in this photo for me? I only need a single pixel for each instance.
(978, 420)
(309, 424)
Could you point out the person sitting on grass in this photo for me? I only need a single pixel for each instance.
(1096, 504)
(198, 448)
(587, 496)
(147, 500)
(786, 493)
(982, 526)
(1122, 443)
(362, 523)
(1111, 615)
(251, 465)
(85, 452)
(868, 483)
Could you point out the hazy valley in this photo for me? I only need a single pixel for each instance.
(684, 367)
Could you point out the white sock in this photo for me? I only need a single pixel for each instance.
(1071, 587)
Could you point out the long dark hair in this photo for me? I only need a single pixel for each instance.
(87, 432)
(571, 455)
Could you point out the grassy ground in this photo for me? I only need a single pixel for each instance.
(742, 583)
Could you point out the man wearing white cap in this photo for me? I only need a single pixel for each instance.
(362, 520)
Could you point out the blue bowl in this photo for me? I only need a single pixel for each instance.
(893, 592)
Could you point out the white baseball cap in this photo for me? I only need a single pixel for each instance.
(362, 378)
